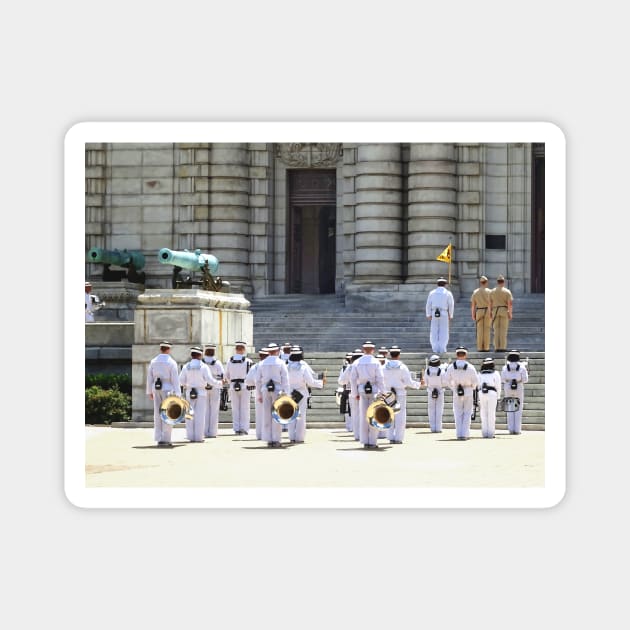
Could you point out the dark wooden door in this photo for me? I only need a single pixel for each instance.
(311, 247)
(538, 218)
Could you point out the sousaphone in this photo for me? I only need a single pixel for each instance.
(175, 409)
(285, 410)
(381, 412)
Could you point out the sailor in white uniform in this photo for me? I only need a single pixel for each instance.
(489, 392)
(162, 380)
(250, 382)
(397, 378)
(344, 391)
(194, 377)
(435, 381)
(439, 310)
(367, 382)
(462, 379)
(514, 376)
(211, 427)
(236, 369)
(300, 379)
(272, 380)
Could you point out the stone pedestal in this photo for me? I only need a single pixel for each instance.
(186, 318)
(120, 300)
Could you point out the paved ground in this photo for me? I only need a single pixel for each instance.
(126, 457)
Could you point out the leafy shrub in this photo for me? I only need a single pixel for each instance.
(109, 381)
(104, 406)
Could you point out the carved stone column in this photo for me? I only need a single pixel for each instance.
(378, 214)
(229, 213)
(432, 209)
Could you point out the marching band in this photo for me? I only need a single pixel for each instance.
(371, 393)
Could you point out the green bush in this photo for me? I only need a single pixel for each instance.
(104, 406)
(109, 381)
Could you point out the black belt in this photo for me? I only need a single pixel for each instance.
(490, 389)
(237, 380)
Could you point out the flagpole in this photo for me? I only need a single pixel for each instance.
(450, 258)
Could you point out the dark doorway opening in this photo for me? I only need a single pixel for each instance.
(538, 218)
(312, 221)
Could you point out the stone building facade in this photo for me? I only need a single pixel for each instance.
(365, 221)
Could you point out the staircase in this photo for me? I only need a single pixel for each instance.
(327, 330)
(321, 323)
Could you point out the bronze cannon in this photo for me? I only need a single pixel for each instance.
(131, 261)
(206, 264)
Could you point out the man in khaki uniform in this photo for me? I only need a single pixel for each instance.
(501, 302)
(480, 310)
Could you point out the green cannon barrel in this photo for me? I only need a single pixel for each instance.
(122, 258)
(193, 261)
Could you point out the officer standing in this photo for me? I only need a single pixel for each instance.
(300, 380)
(397, 378)
(194, 377)
(501, 299)
(489, 390)
(514, 376)
(236, 370)
(462, 379)
(211, 427)
(367, 382)
(272, 380)
(162, 380)
(250, 383)
(481, 312)
(439, 310)
(435, 381)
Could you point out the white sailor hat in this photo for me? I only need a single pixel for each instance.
(434, 360)
(287, 344)
(165, 344)
(240, 343)
(195, 350)
(440, 280)
(272, 347)
(461, 350)
(395, 349)
(296, 350)
(368, 344)
(513, 355)
(263, 351)
(88, 284)
(210, 346)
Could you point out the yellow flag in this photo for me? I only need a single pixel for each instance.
(445, 256)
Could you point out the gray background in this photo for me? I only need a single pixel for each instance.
(68, 62)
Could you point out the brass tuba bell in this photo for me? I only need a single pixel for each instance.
(174, 409)
(285, 410)
(381, 412)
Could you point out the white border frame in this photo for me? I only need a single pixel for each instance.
(555, 314)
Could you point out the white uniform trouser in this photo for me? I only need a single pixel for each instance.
(367, 433)
(514, 417)
(240, 408)
(462, 411)
(211, 427)
(354, 417)
(347, 421)
(397, 430)
(161, 430)
(258, 418)
(271, 430)
(439, 332)
(488, 411)
(195, 427)
(297, 428)
(435, 409)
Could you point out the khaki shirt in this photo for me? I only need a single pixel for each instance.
(481, 297)
(500, 296)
